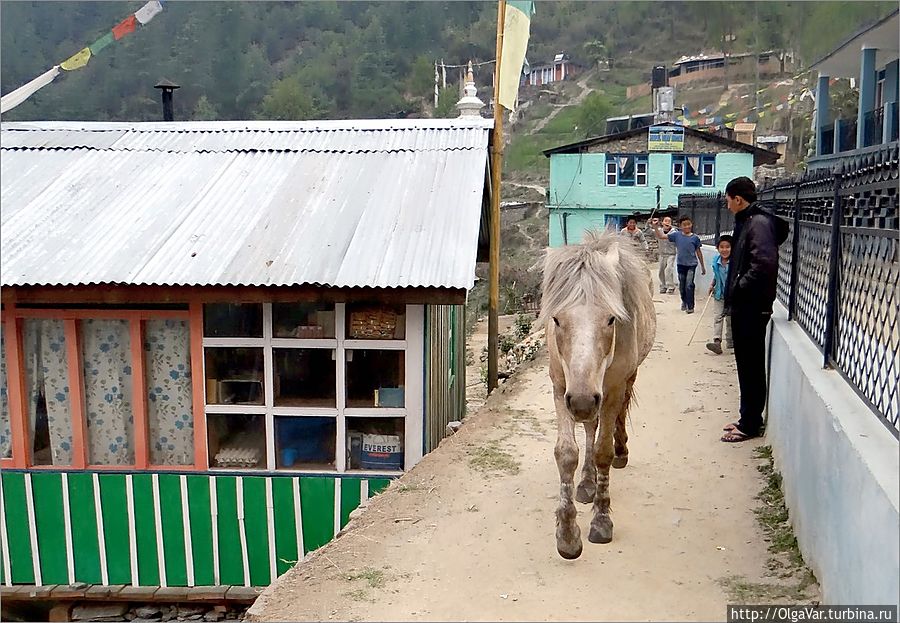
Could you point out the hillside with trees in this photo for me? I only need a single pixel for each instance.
(308, 60)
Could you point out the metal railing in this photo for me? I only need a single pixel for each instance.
(827, 146)
(839, 267)
(873, 127)
(839, 270)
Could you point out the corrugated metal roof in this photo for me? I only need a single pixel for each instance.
(344, 204)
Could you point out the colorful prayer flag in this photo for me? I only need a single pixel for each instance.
(101, 43)
(77, 60)
(124, 27)
(516, 29)
(148, 11)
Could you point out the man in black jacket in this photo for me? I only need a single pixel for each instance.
(749, 294)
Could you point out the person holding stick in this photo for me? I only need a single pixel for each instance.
(687, 256)
(720, 265)
(666, 248)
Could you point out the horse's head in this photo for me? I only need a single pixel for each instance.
(584, 339)
(581, 307)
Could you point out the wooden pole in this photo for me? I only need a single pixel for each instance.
(496, 164)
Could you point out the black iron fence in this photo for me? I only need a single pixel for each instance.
(839, 269)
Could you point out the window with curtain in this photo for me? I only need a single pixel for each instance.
(47, 391)
(5, 436)
(106, 362)
(167, 368)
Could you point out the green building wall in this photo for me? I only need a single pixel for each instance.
(167, 529)
(578, 189)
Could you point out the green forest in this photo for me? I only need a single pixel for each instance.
(309, 60)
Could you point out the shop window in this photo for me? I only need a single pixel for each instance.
(236, 441)
(305, 377)
(167, 363)
(5, 433)
(303, 442)
(375, 378)
(108, 405)
(303, 320)
(375, 443)
(376, 322)
(233, 320)
(234, 376)
(47, 391)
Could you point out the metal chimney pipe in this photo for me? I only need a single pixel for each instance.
(168, 88)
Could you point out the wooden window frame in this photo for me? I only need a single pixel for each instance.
(614, 173)
(13, 322)
(412, 346)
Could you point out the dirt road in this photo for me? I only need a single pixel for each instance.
(469, 533)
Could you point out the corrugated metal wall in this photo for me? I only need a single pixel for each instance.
(445, 370)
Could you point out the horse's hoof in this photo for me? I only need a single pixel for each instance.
(620, 461)
(601, 530)
(570, 555)
(585, 494)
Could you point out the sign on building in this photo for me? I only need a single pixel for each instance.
(665, 138)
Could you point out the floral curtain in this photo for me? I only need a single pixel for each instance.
(106, 357)
(47, 382)
(5, 437)
(167, 350)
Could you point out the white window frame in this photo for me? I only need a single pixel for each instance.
(638, 165)
(678, 171)
(711, 174)
(412, 412)
(614, 172)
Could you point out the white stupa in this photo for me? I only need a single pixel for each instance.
(470, 105)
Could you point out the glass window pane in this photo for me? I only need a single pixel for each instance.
(305, 377)
(47, 391)
(303, 320)
(376, 322)
(375, 443)
(375, 378)
(305, 442)
(106, 363)
(5, 434)
(232, 320)
(167, 361)
(234, 376)
(236, 441)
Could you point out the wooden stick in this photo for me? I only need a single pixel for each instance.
(699, 320)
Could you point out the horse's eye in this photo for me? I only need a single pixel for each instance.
(556, 321)
(612, 319)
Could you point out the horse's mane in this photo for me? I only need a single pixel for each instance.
(603, 270)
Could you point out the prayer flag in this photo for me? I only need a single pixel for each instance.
(516, 29)
(124, 27)
(148, 11)
(77, 60)
(14, 98)
(101, 43)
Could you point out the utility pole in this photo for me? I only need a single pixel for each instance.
(496, 165)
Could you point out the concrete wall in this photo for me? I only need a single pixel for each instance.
(578, 187)
(841, 473)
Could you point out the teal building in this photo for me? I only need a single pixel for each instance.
(598, 182)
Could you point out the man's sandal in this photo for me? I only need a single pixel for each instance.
(735, 435)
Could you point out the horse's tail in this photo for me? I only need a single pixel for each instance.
(629, 394)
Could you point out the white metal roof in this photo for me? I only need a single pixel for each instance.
(343, 203)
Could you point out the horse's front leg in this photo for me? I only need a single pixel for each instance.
(601, 524)
(568, 535)
(587, 488)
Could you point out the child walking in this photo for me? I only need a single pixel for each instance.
(720, 265)
(687, 256)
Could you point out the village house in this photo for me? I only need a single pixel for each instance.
(219, 338)
(870, 56)
(559, 69)
(597, 183)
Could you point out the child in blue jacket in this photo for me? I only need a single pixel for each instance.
(717, 289)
